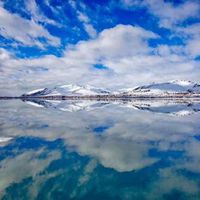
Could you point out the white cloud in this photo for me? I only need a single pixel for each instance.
(4, 55)
(25, 32)
(36, 13)
(90, 30)
(86, 21)
(117, 42)
(123, 49)
(191, 34)
(82, 17)
(169, 14)
(172, 15)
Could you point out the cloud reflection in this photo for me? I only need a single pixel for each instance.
(133, 142)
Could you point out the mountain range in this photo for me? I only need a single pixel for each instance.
(177, 88)
(167, 97)
(68, 90)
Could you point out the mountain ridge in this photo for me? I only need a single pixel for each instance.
(171, 88)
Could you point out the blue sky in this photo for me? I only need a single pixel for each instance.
(105, 43)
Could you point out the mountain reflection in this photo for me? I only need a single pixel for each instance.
(167, 106)
(112, 152)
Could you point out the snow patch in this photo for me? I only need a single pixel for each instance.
(182, 82)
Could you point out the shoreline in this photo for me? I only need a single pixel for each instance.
(108, 98)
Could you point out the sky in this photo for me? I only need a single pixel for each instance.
(104, 43)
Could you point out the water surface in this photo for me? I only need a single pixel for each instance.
(99, 151)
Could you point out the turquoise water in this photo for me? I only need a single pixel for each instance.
(110, 152)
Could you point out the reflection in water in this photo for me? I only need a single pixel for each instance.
(112, 152)
(168, 106)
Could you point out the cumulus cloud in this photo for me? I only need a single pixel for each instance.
(123, 49)
(23, 31)
(129, 41)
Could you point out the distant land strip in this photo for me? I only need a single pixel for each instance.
(109, 97)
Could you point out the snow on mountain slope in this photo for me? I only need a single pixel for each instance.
(68, 90)
(35, 91)
(155, 89)
(82, 90)
(182, 82)
(175, 86)
(42, 91)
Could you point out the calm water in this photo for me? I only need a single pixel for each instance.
(108, 151)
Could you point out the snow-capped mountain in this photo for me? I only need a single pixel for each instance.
(171, 106)
(68, 90)
(167, 88)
